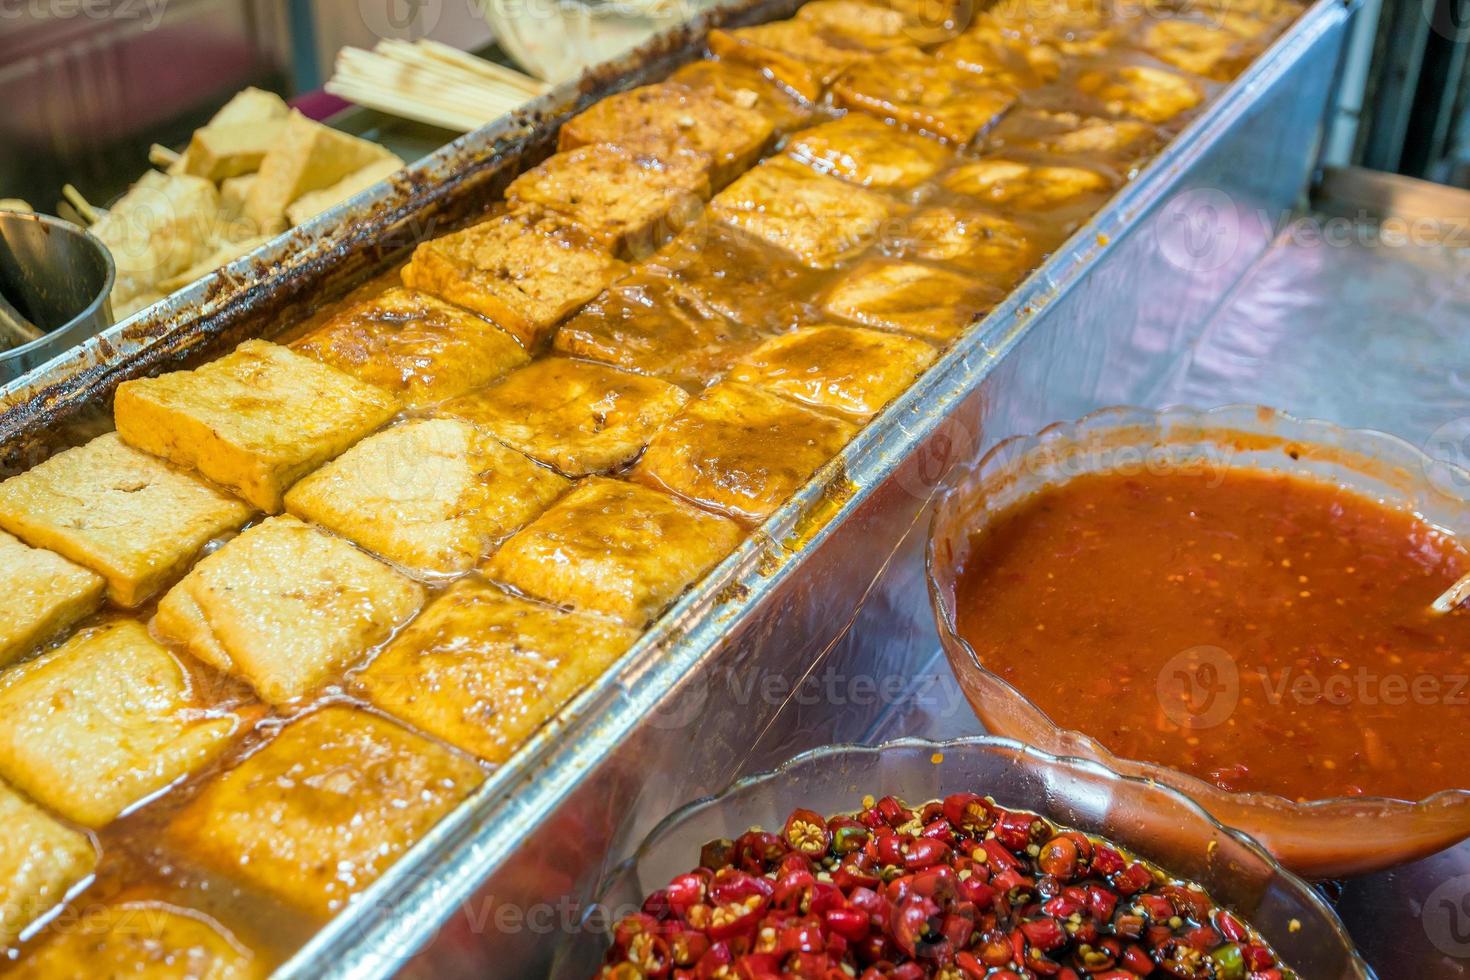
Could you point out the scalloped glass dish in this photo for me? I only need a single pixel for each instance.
(1320, 838)
(1149, 819)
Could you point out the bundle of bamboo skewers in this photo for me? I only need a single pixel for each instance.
(431, 82)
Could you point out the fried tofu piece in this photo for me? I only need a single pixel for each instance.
(41, 859)
(307, 156)
(933, 21)
(1003, 59)
(924, 92)
(741, 451)
(126, 515)
(1027, 187)
(1076, 28)
(44, 595)
(313, 203)
(819, 219)
(216, 152)
(421, 349)
(524, 273)
(104, 720)
(1151, 94)
(801, 55)
(839, 369)
(1089, 138)
(1218, 51)
(324, 808)
(159, 228)
(146, 940)
(932, 303)
(630, 200)
(254, 421)
(865, 151)
(667, 116)
(614, 549)
(577, 416)
(649, 324)
(482, 670)
(433, 496)
(872, 26)
(285, 606)
(985, 245)
(747, 87)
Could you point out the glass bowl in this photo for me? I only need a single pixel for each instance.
(1322, 838)
(1151, 820)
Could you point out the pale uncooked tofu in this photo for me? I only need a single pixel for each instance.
(222, 150)
(614, 549)
(819, 219)
(285, 607)
(141, 940)
(254, 421)
(1003, 59)
(988, 247)
(912, 298)
(849, 370)
(420, 348)
(747, 87)
(630, 199)
(306, 157)
(44, 595)
(925, 93)
(741, 450)
(225, 252)
(313, 203)
(232, 194)
(433, 496)
(801, 55)
(160, 227)
(126, 515)
(864, 150)
(524, 274)
(577, 416)
(250, 105)
(1151, 94)
(104, 720)
(325, 808)
(1027, 187)
(482, 669)
(41, 859)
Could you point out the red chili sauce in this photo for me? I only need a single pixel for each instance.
(1262, 632)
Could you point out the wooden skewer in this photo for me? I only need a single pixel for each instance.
(75, 199)
(1453, 596)
(161, 156)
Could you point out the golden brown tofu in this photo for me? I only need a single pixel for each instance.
(577, 416)
(41, 859)
(285, 606)
(614, 549)
(103, 721)
(482, 670)
(1004, 59)
(124, 514)
(44, 595)
(1151, 94)
(141, 940)
(747, 87)
(872, 26)
(933, 21)
(819, 219)
(799, 54)
(420, 348)
(840, 369)
(1218, 51)
(741, 451)
(649, 324)
(630, 200)
(922, 300)
(989, 248)
(863, 150)
(926, 93)
(524, 274)
(1028, 187)
(668, 115)
(1091, 139)
(433, 496)
(323, 809)
(255, 421)
(1076, 28)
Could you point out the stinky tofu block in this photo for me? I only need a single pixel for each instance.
(44, 595)
(872, 26)
(323, 809)
(669, 115)
(421, 349)
(217, 152)
(433, 496)
(933, 303)
(801, 55)
(865, 151)
(41, 859)
(306, 156)
(985, 245)
(1027, 187)
(482, 669)
(741, 451)
(524, 273)
(849, 370)
(313, 203)
(1142, 92)
(254, 421)
(1076, 28)
(747, 87)
(614, 549)
(629, 200)
(577, 416)
(104, 720)
(819, 219)
(126, 515)
(1091, 139)
(1217, 51)
(285, 606)
(926, 93)
(933, 21)
(1003, 59)
(142, 940)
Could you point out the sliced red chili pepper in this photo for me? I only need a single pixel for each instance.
(1135, 878)
(1106, 861)
(850, 924)
(806, 832)
(923, 852)
(1044, 934)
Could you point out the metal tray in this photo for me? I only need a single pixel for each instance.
(818, 623)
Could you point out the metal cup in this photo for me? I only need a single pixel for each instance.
(59, 278)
